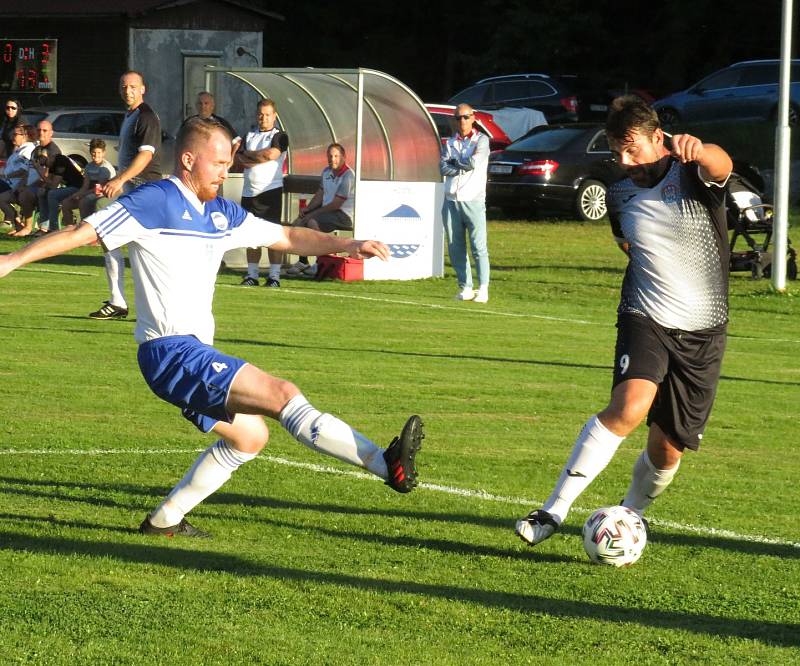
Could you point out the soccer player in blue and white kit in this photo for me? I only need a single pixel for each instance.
(177, 230)
(668, 216)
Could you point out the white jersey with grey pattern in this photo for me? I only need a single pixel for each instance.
(677, 272)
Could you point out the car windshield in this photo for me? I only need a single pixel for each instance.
(547, 140)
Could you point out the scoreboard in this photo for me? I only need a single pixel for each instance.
(28, 65)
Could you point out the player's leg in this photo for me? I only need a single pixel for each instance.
(253, 391)
(457, 249)
(116, 307)
(653, 470)
(253, 261)
(641, 360)
(679, 415)
(240, 441)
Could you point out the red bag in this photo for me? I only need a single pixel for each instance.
(339, 268)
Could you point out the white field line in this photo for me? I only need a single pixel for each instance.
(435, 487)
(432, 306)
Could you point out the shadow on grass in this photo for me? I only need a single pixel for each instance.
(773, 633)
(150, 494)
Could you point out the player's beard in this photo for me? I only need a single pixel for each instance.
(208, 192)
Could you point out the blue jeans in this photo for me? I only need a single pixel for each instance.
(461, 218)
(50, 203)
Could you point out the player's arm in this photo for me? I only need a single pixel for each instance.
(248, 158)
(114, 186)
(715, 164)
(314, 204)
(302, 241)
(49, 245)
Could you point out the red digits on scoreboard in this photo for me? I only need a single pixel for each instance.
(8, 51)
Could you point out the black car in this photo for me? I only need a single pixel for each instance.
(552, 95)
(557, 168)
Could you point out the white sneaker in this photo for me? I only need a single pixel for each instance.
(466, 294)
(297, 268)
(482, 295)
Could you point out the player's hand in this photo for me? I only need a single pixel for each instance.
(367, 249)
(687, 148)
(112, 188)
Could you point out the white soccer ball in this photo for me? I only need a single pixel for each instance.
(614, 535)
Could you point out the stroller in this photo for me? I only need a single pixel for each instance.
(750, 219)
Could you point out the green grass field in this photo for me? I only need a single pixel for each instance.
(314, 563)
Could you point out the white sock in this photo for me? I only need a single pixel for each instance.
(115, 273)
(593, 450)
(647, 483)
(275, 271)
(252, 269)
(212, 468)
(327, 434)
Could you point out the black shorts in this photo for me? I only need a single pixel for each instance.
(266, 205)
(684, 365)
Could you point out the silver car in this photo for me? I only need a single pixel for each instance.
(75, 127)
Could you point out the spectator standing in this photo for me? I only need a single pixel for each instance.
(206, 105)
(668, 216)
(464, 164)
(12, 117)
(15, 176)
(95, 175)
(331, 207)
(263, 157)
(139, 162)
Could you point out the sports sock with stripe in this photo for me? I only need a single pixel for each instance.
(593, 450)
(647, 483)
(330, 435)
(209, 472)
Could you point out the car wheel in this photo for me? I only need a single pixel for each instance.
(591, 200)
(80, 160)
(668, 117)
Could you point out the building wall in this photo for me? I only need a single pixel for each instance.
(159, 55)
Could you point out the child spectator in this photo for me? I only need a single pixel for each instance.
(96, 174)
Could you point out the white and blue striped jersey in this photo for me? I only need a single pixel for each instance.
(175, 245)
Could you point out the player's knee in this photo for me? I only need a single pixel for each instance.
(252, 438)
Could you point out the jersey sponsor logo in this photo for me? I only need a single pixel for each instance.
(219, 220)
(186, 215)
(219, 367)
(670, 193)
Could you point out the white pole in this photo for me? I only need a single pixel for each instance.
(359, 130)
(780, 222)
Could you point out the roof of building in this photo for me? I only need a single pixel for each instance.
(129, 8)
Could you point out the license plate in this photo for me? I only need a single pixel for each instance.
(598, 107)
(500, 168)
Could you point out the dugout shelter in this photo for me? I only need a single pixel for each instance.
(392, 145)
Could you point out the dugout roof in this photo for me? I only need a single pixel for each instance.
(384, 127)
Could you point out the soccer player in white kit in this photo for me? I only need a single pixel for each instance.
(668, 216)
(177, 230)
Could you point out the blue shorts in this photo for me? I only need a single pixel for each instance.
(191, 375)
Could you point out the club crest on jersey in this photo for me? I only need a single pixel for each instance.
(219, 220)
(670, 193)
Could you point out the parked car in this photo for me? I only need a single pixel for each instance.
(74, 127)
(743, 91)
(442, 115)
(552, 95)
(563, 168)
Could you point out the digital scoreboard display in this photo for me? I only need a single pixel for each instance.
(28, 65)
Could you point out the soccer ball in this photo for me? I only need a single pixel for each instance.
(614, 535)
